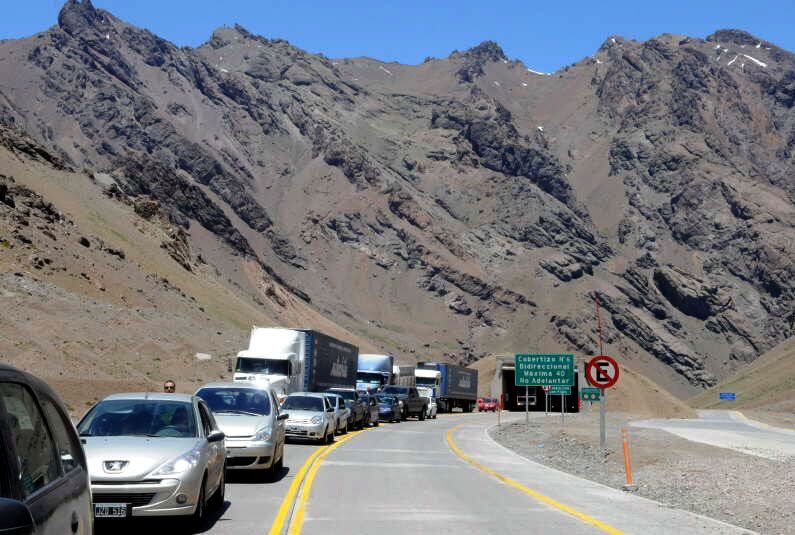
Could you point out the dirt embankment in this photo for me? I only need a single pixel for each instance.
(744, 490)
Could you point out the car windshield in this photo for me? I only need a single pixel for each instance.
(369, 377)
(139, 417)
(396, 390)
(426, 381)
(264, 366)
(345, 394)
(303, 403)
(236, 401)
(385, 399)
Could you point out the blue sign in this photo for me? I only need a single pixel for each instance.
(727, 395)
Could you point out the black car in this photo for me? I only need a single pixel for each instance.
(388, 407)
(44, 485)
(355, 403)
(411, 402)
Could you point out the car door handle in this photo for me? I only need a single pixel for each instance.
(75, 522)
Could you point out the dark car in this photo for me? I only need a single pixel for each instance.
(44, 485)
(388, 407)
(412, 404)
(372, 415)
(354, 402)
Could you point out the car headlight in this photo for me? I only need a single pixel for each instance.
(316, 419)
(263, 434)
(400, 402)
(181, 464)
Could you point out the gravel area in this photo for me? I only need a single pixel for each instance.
(744, 490)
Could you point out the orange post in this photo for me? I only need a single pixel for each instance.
(630, 486)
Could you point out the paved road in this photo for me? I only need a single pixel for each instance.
(440, 476)
(732, 430)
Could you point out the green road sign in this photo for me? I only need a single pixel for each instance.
(590, 394)
(538, 370)
(560, 391)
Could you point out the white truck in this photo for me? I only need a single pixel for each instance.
(296, 360)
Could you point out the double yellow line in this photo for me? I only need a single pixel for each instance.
(298, 494)
(530, 492)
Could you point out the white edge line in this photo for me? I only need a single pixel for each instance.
(631, 496)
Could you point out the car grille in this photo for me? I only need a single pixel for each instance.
(240, 461)
(136, 499)
(301, 432)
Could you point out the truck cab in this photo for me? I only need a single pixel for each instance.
(275, 356)
(428, 379)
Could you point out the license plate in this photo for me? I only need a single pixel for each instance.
(293, 429)
(110, 510)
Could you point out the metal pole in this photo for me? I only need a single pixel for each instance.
(562, 409)
(603, 401)
(526, 404)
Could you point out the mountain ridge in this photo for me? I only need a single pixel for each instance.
(462, 206)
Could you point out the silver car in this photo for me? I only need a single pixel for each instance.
(249, 416)
(153, 454)
(310, 417)
(341, 412)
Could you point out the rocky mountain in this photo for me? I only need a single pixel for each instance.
(460, 207)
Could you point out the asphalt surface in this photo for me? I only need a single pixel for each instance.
(730, 429)
(436, 476)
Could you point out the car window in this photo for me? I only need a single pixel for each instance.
(303, 403)
(68, 448)
(207, 424)
(139, 417)
(38, 465)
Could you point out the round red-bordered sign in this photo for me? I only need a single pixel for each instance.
(602, 371)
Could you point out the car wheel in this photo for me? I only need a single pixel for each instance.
(421, 416)
(377, 422)
(217, 499)
(330, 439)
(344, 429)
(198, 515)
(366, 421)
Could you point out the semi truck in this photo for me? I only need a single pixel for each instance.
(295, 360)
(458, 386)
(374, 371)
(404, 375)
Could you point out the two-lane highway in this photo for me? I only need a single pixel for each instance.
(438, 476)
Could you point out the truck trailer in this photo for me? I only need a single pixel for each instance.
(295, 360)
(374, 371)
(458, 386)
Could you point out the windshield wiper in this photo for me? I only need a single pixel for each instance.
(245, 413)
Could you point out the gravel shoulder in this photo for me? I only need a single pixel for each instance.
(744, 490)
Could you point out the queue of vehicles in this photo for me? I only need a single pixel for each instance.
(166, 454)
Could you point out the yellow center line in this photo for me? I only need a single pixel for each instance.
(535, 494)
(304, 477)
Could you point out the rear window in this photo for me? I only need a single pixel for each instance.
(396, 390)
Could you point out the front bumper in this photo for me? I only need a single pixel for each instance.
(152, 497)
(305, 430)
(249, 454)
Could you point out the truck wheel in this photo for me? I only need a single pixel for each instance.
(421, 415)
(377, 423)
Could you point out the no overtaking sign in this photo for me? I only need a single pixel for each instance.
(544, 369)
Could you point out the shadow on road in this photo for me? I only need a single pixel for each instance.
(251, 477)
(172, 526)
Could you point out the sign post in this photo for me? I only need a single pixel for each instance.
(546, 399)
(602, 372)
(526, 404)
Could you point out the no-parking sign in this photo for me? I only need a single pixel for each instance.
(602, 371)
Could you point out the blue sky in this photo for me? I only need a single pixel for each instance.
(545, 35)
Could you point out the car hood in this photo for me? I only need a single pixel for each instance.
(142, 455)
(301, 416)
(241, 425)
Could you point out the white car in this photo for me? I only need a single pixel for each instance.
(310, 417)
(432, 408)
(341, 412)
(249, 416)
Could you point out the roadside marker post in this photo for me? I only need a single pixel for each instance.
(630, 486)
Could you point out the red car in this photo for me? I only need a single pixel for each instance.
(487, 404)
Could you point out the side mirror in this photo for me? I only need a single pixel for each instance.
(283, 416)
(15, 517)
(216, 436)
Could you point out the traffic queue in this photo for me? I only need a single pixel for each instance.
(168, 454)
